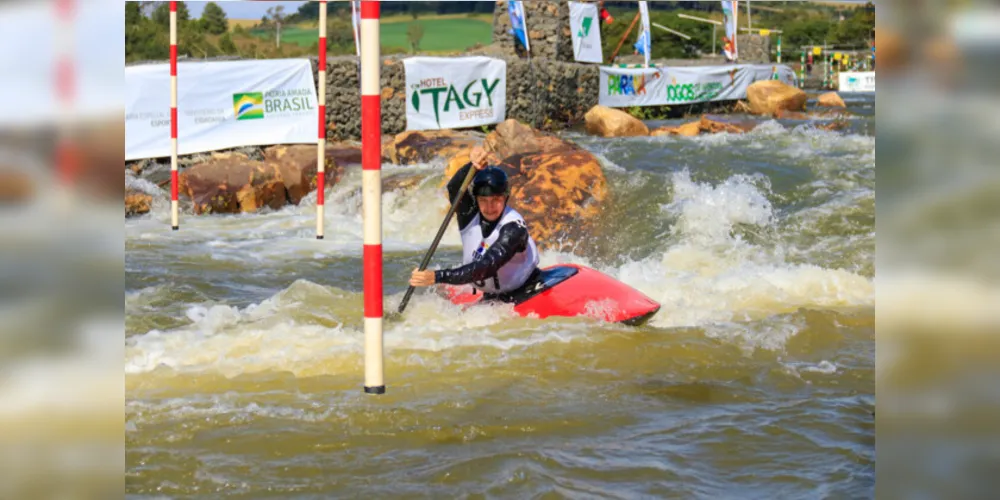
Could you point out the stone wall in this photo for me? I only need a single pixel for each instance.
(538, 93)
(754, 49)
(548, 30)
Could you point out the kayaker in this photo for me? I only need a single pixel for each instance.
(499, 257)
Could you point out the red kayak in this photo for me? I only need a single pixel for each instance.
(572, 290)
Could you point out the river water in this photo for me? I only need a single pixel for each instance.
(244, 340)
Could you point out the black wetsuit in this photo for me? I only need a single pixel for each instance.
(513, 239)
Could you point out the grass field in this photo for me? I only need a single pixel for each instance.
(441, 33)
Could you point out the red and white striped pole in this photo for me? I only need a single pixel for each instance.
(173, 117)
(66, 155)
(321, 139)
(371, 189)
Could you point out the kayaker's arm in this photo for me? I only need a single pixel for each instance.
(513, 239)
(466, 210)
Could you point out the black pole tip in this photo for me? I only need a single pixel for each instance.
(175, 228)
(375, 390)
(319, 236)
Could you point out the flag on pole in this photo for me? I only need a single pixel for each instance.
(356, 22)
(643, 44)
(518, 28)
(729, 13)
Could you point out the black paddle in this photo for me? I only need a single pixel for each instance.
(440, 233)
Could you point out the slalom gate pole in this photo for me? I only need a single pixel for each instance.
(371, 191)
(173, 118)
(321, 139)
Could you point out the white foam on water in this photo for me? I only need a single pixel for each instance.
(708, 274)
(606, 164)
(707, 215)
(234, 407)
(410, 218)
(143, 185)
(275, 335)
(798, 368)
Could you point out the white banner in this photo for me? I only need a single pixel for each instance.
(586, 31)
(454, 92)
(220, 105)
(623, 87)
(856, 81)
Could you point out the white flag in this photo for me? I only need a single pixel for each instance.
(356, 22)
(643, 44)
(729, 15)
(518, 23)
(586, 31)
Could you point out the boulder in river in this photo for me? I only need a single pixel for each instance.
(513, 137)
(609, 122)
(831, 100)
(297, 168)
(556, 185)
(704, 125)
(137, 202)
(233, 185)
(420, 146)
(767, 97)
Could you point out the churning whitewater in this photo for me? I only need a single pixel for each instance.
(244, 338)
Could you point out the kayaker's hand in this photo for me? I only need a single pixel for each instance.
(478, 157)
(422, 278)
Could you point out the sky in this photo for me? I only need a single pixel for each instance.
(243, 9)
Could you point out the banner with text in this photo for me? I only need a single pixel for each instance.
(454, 92)
(220, 105)
(856, 81)
(622, 87)
(586, 30)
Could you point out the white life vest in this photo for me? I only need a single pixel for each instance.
(516, 271)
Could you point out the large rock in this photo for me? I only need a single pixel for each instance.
(233, 185)
(297, 168)
(831, 100)
(137, 202)
(421, 146)
(559, 194)
(704, 125)
(513, 137)
(609, 122)
(767, 97)
(344, 154)
(557, 186)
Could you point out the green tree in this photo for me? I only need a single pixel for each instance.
(214, 20)
(144, 39)
(855, 30)
(339, 35)
(191, 41)
(161, 14)
(226, 44)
